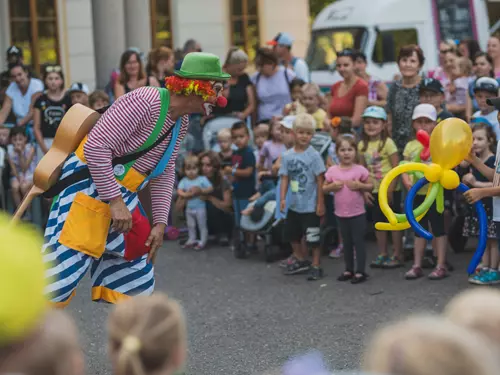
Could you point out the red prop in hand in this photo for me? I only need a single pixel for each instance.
(221, 102)
(424, 139)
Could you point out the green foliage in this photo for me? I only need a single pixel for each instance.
(316, 6)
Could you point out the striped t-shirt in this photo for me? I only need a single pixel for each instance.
(121, 130)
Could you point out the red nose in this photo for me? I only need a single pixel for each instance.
(221, 101)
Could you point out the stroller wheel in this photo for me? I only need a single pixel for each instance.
(239, 251)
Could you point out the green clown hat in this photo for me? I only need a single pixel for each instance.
(201, 65)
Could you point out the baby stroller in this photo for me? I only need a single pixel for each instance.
(268, 221)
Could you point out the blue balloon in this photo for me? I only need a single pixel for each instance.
(483, 232)
(419, 230)
(481, 213)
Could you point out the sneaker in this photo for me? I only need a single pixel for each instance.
(487, 277)
(477, 278)
(494, 277)
(189, 245)
(286, 262)
(379, 261)
(439, 273)
(414, 273)
(199, 247)
(315, 273)
(337, 253)
(392, 262)
(298, 267)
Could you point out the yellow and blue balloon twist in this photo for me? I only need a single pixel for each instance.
(450, 143)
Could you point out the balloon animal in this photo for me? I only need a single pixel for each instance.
(449, 144)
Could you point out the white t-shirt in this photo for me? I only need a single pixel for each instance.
(21, 103)
(492, 119)
(301, 69)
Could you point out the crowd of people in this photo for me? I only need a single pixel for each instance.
(265, 153)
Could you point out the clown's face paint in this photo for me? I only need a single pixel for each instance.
(213, 101)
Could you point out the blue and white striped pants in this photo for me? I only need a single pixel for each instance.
(113, 278)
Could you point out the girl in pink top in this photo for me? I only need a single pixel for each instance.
(349, 181)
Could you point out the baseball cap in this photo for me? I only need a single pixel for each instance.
(375, 112)
(431, 84)
(79, 87)
(425, 110)
(287, 122)
(15, 51)
(283, 39)
(486, 84)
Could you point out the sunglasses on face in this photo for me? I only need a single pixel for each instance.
(53, 69)
(443, 51)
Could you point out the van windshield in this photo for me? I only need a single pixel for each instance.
(324, 43)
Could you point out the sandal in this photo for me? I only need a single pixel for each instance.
(359, 279)
(347, 275)
(439, 273)
(414, 273)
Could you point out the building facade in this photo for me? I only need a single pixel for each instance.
(87, 37)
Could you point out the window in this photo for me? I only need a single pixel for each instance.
(33, 27)
(161, 23)
(390, 42)
(325, 44)
(245, 26)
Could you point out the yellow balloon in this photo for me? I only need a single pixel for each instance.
(450, 142)
(22, 280)
(386, 181)
(399, 226)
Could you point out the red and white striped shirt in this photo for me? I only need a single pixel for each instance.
(121, 130)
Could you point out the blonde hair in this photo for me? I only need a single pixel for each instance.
(145, 334)
(464, 66)
(52, 349)
(477, 309)
(429, 345)
(312, 87)
(304, 121)
(224, 133)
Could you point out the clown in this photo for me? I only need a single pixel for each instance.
(98, 223)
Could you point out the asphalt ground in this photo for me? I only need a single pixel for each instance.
(245, 317)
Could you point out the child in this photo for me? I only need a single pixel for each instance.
(98, 99)
(147, 335)
(428, 345)
(478, 310)
(272, 148)
(484, 140)
(379, 154)
(261, 134)
(49, 109)
(311, 99)
(22, 163)
(432, 92)
(52, 348)
(190, 188)
(424, 117)
(486, 88)
(296, 106)
(348, 181)
(242, 175)
(301, 171)
(225, 143)
(79, 93)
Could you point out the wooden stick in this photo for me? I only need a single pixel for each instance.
(32, 194)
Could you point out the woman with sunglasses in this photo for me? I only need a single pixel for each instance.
(445, 47)
(50, 108)
(350, 96)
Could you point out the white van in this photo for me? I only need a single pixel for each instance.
(380, 28)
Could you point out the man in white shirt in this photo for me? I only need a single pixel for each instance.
(20, 94)
(282, 45)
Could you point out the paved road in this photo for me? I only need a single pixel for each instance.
(246, 318)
